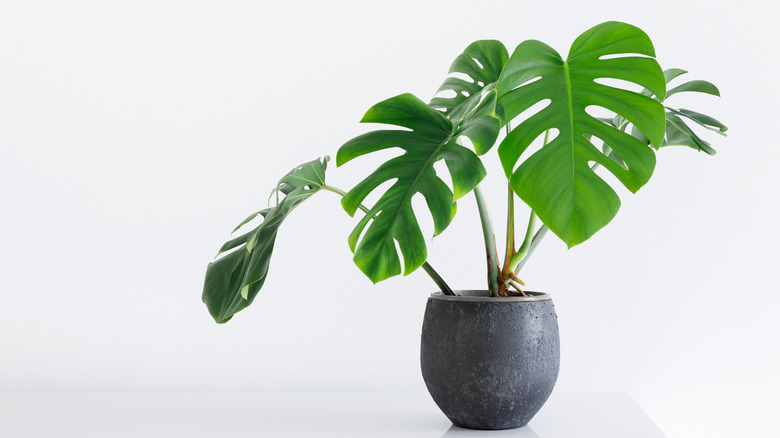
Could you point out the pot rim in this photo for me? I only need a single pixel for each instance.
(482, 296)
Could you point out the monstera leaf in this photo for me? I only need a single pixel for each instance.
(482, 62)
(557, 181)
(678, 132)
(430, 136)
(233, 280)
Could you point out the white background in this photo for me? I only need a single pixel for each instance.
(135, 135)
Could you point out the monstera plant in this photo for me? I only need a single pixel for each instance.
(554, 120)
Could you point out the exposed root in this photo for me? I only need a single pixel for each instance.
(517, 286)
(514, 277)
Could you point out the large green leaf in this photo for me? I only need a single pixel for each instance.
(482, 62)
(557, 181)
(429, 138)
(233, 280)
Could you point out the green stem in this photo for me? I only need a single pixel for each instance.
(510, 227)
(534, 243)
(490, 243)
(341, 193)
(445, 289)
(510, 219)
(522, 252)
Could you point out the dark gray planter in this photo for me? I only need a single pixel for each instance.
(490, 362)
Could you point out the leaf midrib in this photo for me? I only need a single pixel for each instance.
(567, 80)
(414, 183)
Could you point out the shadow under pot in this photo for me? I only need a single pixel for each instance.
(490, 362)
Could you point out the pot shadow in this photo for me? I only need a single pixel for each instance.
(523, 432)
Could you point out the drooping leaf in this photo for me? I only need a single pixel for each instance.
(702, 119)
(678, 132)
(234, 279)
(482, 62)
(557, 181)
(432, 137)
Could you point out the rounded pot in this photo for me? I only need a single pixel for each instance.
(490, 362)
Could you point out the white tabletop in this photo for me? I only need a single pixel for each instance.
(340, 414)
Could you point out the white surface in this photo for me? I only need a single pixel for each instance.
(342, 414)
(135, 135)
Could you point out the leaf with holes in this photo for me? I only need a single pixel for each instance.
(557, 181)
(430, 137)
(233, 280)
(482, 62)
(678, 132)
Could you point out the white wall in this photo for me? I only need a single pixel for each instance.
(134, 135)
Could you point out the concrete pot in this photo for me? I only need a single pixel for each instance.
(490, 362)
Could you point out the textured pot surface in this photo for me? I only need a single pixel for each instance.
(490, 362)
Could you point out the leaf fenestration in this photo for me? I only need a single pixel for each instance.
(557, 181)
(474, 101)
(432, 137)
(678, 132)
